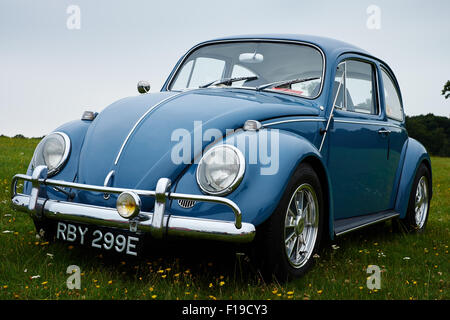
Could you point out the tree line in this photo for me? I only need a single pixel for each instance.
(432, 131)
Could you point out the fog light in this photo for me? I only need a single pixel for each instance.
(128, 205)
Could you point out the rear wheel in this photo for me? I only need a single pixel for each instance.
(419, 202)
(288, 240)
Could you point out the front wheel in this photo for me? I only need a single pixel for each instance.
(290, 237)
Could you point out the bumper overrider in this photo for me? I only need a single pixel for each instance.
(158, 223)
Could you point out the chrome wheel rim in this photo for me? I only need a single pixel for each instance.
(301, 225)
(421, 203)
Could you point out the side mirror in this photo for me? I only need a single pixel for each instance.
(143, 87)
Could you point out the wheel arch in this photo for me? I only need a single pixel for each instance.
(416, 155)
(322, 174)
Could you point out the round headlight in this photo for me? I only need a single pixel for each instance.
(220, 170)
(128, 205)
(52, 152)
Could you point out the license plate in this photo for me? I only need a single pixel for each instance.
(109, 239)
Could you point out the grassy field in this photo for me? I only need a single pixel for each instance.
(412, 266)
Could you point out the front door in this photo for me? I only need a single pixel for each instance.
(358, 143)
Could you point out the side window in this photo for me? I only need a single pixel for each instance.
(358, 92)
(199, 72)
(391, 98)
(359, 87)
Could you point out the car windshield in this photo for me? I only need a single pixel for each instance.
(256, 63)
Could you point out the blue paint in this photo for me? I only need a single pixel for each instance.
(364, 171)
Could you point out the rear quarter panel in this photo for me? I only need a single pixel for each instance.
(415, 155)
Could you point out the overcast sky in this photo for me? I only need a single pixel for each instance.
(50, 74)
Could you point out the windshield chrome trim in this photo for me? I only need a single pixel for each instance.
(198, 46)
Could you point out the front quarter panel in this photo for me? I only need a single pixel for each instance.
(258, 194)
(416, 154)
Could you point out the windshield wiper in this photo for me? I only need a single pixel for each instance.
(227, 81)
(284, 82)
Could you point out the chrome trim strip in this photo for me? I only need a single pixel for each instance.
(169, 83)
(108, 178)
(368, 223)
(140, 120)
(108, 217)
(294, 120)
(106, 183)
(386, 124)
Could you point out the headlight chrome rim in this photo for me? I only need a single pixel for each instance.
(137, 204)
(62, 161)
(236, 182)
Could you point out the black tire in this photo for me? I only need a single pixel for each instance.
(271, 254)
(410, 223)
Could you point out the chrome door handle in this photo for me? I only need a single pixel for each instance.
(384, 131)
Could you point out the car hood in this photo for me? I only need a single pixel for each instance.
(150, 120)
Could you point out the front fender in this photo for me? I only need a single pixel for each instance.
(415, 154)
(76, 130)
(263, 183)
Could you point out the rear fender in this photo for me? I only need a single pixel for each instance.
(416, 154)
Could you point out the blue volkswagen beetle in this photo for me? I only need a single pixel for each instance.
(273, 140)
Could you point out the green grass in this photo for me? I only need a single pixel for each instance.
(192, 270)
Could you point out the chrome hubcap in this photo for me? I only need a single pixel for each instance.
(301, 225)
(421, 203)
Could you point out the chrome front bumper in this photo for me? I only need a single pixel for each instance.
(157, 223)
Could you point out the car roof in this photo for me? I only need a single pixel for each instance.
(331, 47)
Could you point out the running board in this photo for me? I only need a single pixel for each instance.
(343, 226)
